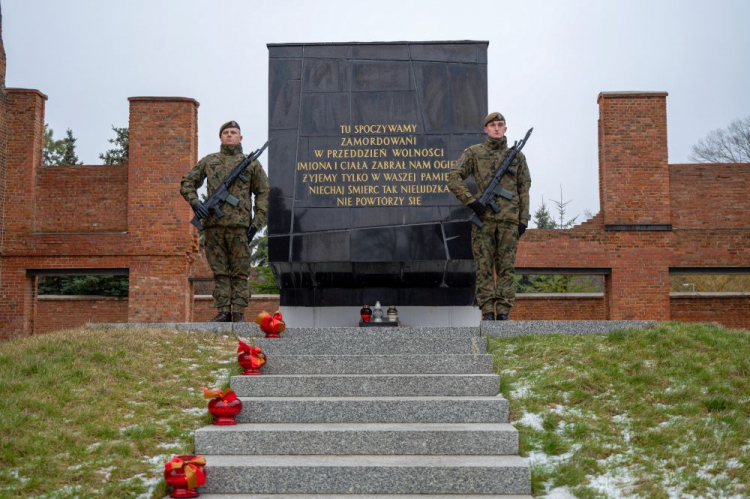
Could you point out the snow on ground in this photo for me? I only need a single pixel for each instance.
(559, 493)
(531, 420)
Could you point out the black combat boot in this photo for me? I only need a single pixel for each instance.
(222, 317)
(488, 316)
(238, 317)
(502, 317)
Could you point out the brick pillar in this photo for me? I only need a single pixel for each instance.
(635, 202)
(24, 119)
(638, 288)
(163, 147)
(633, 168)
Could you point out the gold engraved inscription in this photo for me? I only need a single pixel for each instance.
(377, 164)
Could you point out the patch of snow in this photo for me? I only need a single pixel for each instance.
(158, 460)
(613, 484)
(106, 473)
(195, 411)
(531, 420)
(149, 482)
(559, 493)
(520, 392)
(734, 463)
(176, 445)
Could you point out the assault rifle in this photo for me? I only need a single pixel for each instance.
(494, 188)
(221, 194)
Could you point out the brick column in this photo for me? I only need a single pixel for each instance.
(634, 197)
(24, 119)
(638, 288)
(163, 147)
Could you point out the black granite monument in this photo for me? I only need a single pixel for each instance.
(364, 135)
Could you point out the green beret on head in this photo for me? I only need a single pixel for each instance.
(494, 117)
(229, 124)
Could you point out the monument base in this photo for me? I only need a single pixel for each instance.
(422, 316)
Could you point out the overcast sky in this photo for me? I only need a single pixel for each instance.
(548, 61)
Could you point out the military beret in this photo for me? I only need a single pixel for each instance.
(229, 124)
(493, 117)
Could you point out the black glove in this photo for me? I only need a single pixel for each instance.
(477, 208)
(521, 229)
(200, 210)
(251, 233)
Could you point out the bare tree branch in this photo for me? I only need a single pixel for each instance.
(730, 145)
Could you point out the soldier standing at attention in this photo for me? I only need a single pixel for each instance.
(494, 245)
(227, 238)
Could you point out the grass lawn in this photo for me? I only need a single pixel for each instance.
(656, 413)
(663, 412)
(97, 413)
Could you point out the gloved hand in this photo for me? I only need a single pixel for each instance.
(477, 208)
(200, 210)
(521, 230)
(251, 233)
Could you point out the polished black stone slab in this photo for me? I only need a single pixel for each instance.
(363, 136)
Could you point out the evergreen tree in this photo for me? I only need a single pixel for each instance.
(542, 218)
(52, 153)
(118, 154)
(69, 149)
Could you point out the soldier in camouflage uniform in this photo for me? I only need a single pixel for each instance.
(494, 245)
(227, 238)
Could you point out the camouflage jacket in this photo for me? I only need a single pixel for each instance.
(478, 161)
(215, 168)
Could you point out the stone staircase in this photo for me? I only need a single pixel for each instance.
(365, 413)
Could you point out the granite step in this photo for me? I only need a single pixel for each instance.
(365, 496)
(366, 385)
(374, 410)
(359, 438)
(264, 474)
(384, 333)
(379, 364)
(372, 345)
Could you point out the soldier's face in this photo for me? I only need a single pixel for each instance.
(495, 129)
(231, 136)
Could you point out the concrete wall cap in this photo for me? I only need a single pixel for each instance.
(26, 91)
(629, 94)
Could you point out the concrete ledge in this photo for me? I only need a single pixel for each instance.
(359, 439)
(374, 410)
(367, 474)
(367, 385)
(379, 364)
(359, 496)
(509, 329)
(371, 345)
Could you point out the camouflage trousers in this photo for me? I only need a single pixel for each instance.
(228, 255)
(494, 247)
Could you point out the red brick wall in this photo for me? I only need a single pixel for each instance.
(731, 309)
(569, 307)
(82, 199)
(54, 313)
(204, 307)
(633, 172)
(710, 196)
